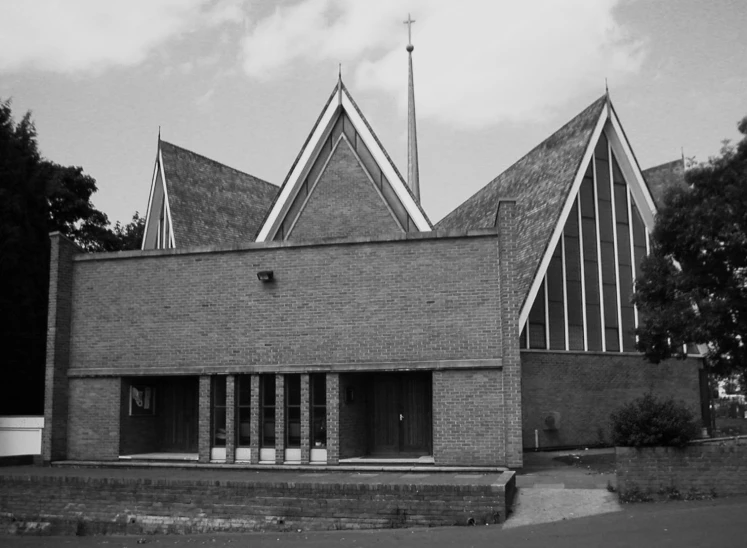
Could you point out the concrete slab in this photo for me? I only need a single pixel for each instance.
(533, 506)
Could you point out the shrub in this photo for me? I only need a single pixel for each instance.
(648, 422)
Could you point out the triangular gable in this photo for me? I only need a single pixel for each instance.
(207, 203)
(608, 123)
(158, 233)
(341, 120)
(342, 198)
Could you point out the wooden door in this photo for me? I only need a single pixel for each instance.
(401, 415)
(178, 415)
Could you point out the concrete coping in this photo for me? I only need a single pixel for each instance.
(254, 246)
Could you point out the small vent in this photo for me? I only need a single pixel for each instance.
(552, 420)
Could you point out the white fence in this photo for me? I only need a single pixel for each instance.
(20, 436)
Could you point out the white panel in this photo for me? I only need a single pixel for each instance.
(267, 455)
(218, 454)
(319, 456)
(243, 454)
(293, 455)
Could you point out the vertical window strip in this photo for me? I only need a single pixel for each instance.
(632, 253)
(583, 274)
(547, 317)
(616, 247)
(565, 291)
(600, 287)
(555, 300)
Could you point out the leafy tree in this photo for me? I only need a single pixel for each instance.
(693, 287)
(37, 197)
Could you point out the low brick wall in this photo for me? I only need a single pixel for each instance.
(66, 504)
(718, 469)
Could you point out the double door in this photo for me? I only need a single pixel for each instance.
(401, 415)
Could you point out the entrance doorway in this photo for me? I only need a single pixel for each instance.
(401, 424)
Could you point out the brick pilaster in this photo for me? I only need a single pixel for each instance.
(230, 418)
(255, 418)
(203, 434)
(333, 418)
(279, 419)
(54, 436)
(305, 420)
(509, 317)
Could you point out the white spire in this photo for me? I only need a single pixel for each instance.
(413, 173)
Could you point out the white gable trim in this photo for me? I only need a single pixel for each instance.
(310, 152)
(385, 165)
(150, 201)
(565, 212)
(631, 172)
(172, 240)
(307, 156)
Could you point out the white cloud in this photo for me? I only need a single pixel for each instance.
(476, 62)
(91, 35)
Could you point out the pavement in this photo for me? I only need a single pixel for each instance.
(679, 524)
(562, 485)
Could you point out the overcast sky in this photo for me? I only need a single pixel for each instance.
(243, 82)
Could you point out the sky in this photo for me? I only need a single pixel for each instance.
(242, 81)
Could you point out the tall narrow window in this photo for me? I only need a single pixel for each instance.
(219, 410)
(536, 321)
(319, 410)
(293, 410)
(555, 302)
(243, 410)
(591, 272)
(267, 391)
(573, 281)
(607, 243)
(624, 259)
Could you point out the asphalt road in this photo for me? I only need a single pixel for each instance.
(721, 523)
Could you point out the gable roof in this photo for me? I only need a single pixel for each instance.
(660, 178)
(210, 203)
(339, 102)
(540, 182)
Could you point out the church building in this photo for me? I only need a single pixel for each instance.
(328, 321)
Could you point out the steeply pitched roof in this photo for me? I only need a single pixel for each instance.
(540, 183)
(212, 204)
(660, 178)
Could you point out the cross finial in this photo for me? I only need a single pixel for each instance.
(409, 23)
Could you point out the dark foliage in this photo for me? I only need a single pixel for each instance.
(649, 422)
(38, 197)
(693, 287)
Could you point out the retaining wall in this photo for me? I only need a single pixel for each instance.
(67, 504)
(715, 468)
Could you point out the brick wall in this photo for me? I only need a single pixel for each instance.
(399, 300)
(54, 437)
(344, 203)
(91, 505)
(468, 425)
(93, 421)
(704, 469)
(584, 388)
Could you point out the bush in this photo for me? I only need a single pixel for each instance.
(648, 422)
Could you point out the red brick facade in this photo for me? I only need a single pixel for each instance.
(344, 203)
(584, 388)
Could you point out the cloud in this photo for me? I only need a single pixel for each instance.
(476, 63)
(77, 36)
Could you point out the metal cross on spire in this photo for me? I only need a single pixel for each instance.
(409, 23)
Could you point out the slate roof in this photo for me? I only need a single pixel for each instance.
(660, 178)
(540, 183)
(212, 204)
